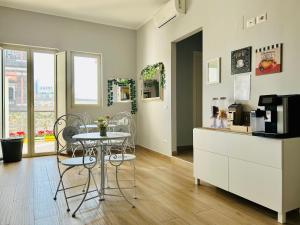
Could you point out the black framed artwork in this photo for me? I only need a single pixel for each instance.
(241, 60)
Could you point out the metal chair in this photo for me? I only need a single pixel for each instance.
(116, 157)
(64, 129)
(123, 122)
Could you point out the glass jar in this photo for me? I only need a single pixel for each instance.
(223, 112)
(214, 112)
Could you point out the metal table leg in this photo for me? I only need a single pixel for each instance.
(102, 154)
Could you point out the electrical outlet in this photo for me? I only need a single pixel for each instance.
(261, 18)
(250, 22)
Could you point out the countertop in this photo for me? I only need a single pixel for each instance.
(224, 130)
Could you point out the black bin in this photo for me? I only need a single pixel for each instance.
(12, 149)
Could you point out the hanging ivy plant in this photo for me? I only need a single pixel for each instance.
(150, 71)
(122, 83)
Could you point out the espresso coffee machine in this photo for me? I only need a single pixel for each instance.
(282, 118)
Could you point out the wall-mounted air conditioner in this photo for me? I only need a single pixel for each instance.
(168, 12)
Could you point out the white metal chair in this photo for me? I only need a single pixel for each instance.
(123, 122)
(64, 129)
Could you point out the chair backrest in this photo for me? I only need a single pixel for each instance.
(124, 122)
(86, 118)
(64, 129)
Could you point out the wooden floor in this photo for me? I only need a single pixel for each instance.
(166, 196)
(186, 155)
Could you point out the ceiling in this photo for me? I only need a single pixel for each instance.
(122, 13)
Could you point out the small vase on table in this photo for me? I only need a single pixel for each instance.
(103, 131)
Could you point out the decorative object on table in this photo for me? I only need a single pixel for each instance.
(222, 115)
(221, 121)
(269, 60)
(242, 87)
(154, 80)
(214, 71)
(214, 112)
(102, 124)
(241, 60)
(125, 92)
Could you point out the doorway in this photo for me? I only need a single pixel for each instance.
(188, 94)
(29, 97)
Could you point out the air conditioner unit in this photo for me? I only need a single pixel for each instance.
(169, 11)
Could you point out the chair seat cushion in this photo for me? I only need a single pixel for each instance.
(77, 161)
(119, 157)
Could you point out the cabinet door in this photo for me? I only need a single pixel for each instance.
(258, 183)
(211, 168)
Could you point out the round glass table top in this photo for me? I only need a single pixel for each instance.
(96, 136)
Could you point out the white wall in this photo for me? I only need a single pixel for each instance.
(117, 45)
(221, 22)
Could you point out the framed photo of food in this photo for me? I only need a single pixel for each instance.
(241, 60)
(269, 60)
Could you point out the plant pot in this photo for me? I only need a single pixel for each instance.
(103, 131)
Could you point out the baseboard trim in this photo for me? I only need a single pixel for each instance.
(181, 149)
(148, 149)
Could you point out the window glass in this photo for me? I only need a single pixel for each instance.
(86, 79)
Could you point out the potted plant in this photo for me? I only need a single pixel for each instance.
(102, 124)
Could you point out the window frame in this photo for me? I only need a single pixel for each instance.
(98, 56)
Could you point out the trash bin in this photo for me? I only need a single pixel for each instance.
(12, 149)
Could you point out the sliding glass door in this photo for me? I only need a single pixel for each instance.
(15, 95)
(29, 98)
(44, 101)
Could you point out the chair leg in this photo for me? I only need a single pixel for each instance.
(134, 181)
(118, 185)
(95, 183)
(63, 186)
(61, 182)
(86, 192)
(106, 175)
(57, 189)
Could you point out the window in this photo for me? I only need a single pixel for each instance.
(86, 78)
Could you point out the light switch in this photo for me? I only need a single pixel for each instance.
(250, 22)
(261, 18)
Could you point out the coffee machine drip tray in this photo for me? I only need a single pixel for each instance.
(271, 135)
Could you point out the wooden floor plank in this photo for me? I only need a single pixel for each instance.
(165, 189)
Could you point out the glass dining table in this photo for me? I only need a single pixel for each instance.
(95, 126)
(103, 143)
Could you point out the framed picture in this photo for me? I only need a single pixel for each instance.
(241, 60)
(269, 60)
(214, 71)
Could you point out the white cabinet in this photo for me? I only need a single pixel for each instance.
(213, 169)
(263, 170)
(255, 182)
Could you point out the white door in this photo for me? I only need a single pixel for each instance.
(15, 94)
(44, 101)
